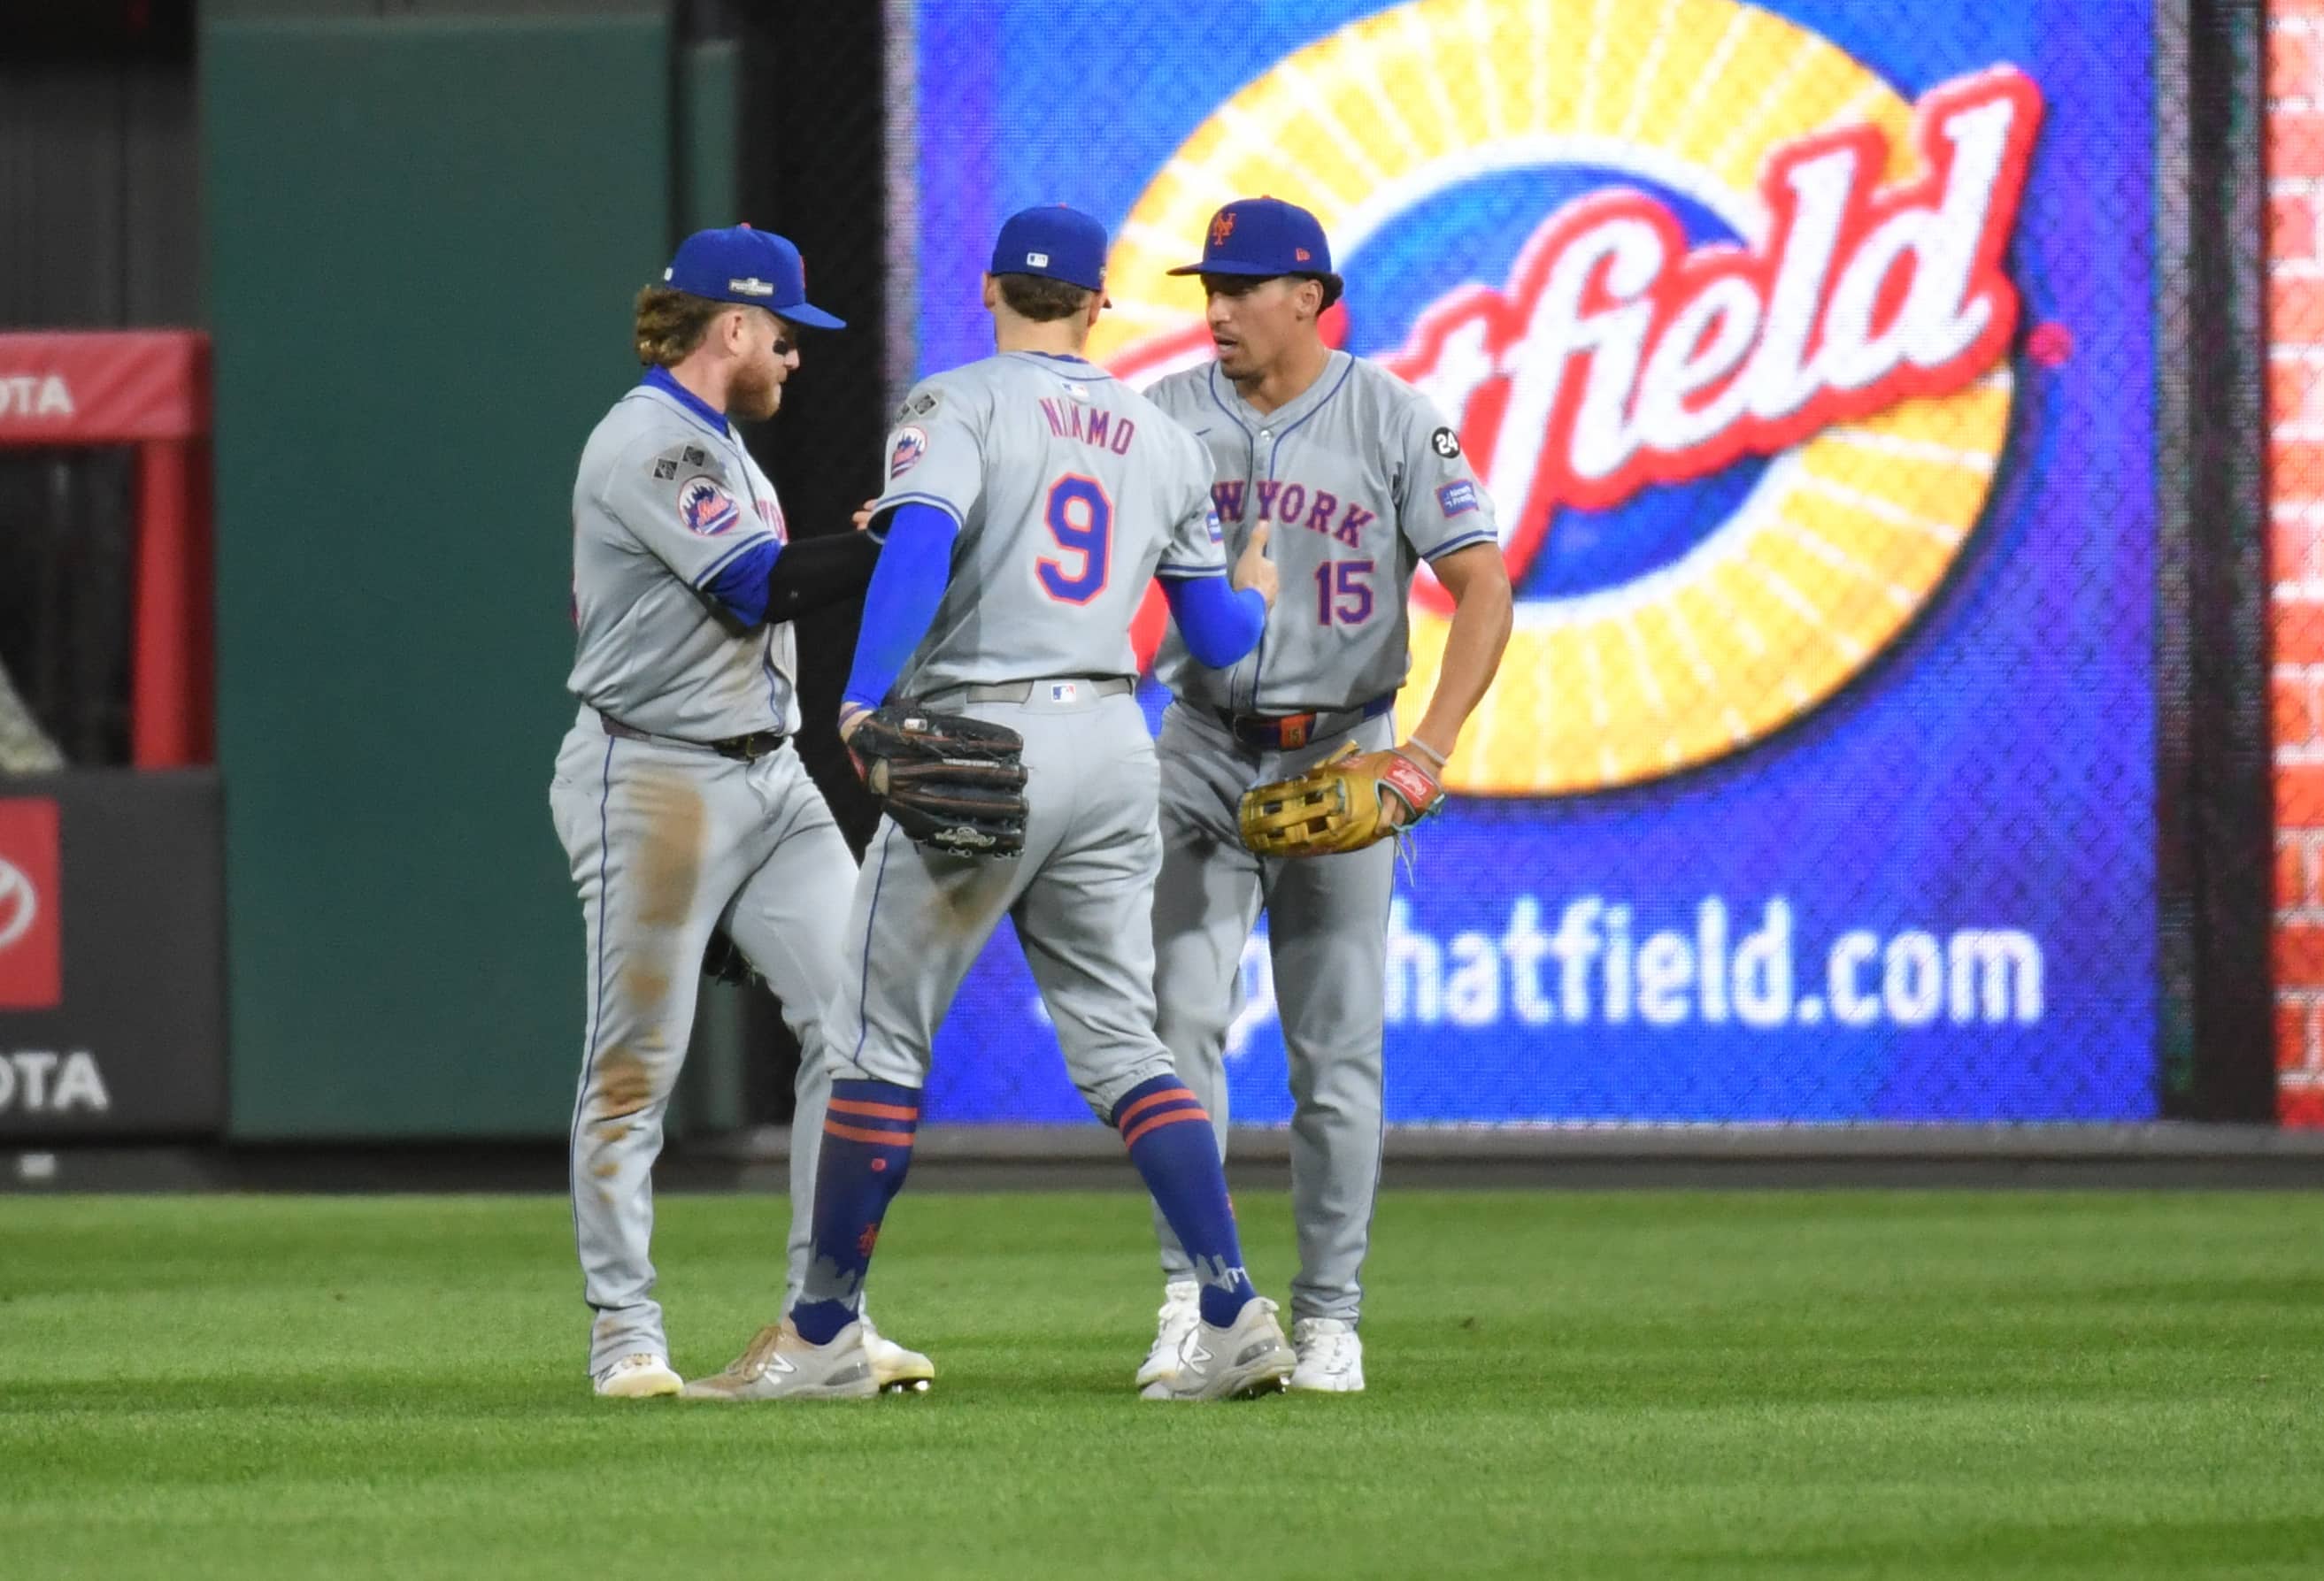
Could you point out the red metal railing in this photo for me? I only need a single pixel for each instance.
(149, 388)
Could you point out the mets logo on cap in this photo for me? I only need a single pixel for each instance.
(1720, 317)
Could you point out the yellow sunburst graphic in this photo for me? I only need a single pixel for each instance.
(1845, 537)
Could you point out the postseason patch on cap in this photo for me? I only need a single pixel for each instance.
(911, 443)
(705, 508)
(1457, 498)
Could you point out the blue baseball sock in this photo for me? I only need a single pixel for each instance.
(1170, 1138)
(867, 1147)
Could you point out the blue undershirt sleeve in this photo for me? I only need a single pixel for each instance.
(1219, 624)
(915, 566)
(740, 586)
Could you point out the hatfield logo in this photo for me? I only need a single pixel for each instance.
(1752, 341)
(1618, 357)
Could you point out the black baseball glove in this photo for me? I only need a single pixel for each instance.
(726, 963)
(951, 783)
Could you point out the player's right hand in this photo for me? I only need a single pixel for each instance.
(863, 513)
(1254, 569)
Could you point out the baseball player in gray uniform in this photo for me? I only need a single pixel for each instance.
(1360, 479)
(679, 800)
(1029, 500)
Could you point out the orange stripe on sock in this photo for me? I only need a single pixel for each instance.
(877, 1111)
(884, 1138)
(1170, 1095)
(1159, 1121)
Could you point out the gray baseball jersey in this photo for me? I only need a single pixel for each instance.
(668, 841)
(664, 501)
(1360, 479)
(1071, 489)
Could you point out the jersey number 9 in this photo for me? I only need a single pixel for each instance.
(1081, 519)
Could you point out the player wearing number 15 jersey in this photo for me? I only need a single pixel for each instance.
(1361, 480)
(1030, 498)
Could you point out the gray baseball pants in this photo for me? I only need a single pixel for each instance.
(667, 843)
(1080, 895)
(1327, 935)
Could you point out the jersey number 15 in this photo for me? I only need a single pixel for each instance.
(1081, 519)
(1343, 593)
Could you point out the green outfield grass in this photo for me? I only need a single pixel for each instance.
(1827, 1384)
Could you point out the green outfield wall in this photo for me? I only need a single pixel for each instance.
(422, 241)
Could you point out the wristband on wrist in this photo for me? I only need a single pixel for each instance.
(1416, 744)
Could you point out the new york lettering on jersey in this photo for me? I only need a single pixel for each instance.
(1071, 490)
(667, 497)
(1360, 480)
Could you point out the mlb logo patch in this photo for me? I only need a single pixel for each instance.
(1457, 498)
(705, 508)
(1064, 691)
(911, 443)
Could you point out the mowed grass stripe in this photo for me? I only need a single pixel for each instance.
(1633, 1384)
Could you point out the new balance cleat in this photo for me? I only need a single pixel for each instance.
(779, 1364)
(1249, 1358)
(641, 1376)
(1182, 1308)
(898, 1370)
(1331, 1357)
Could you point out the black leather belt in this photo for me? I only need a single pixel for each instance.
(747, 749)
(1279, 732)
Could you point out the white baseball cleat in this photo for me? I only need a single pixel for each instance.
(1249, 1358)
(1182, 1308)
(641, 1376)
(1331, 1357)
(898, 1370)
(780, 1365)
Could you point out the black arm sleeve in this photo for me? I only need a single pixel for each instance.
(811, 572)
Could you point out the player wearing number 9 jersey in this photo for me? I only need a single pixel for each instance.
(1029, 501)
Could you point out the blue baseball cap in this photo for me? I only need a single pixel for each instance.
(1054, 242)
(757, 268)
(1263, 237)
